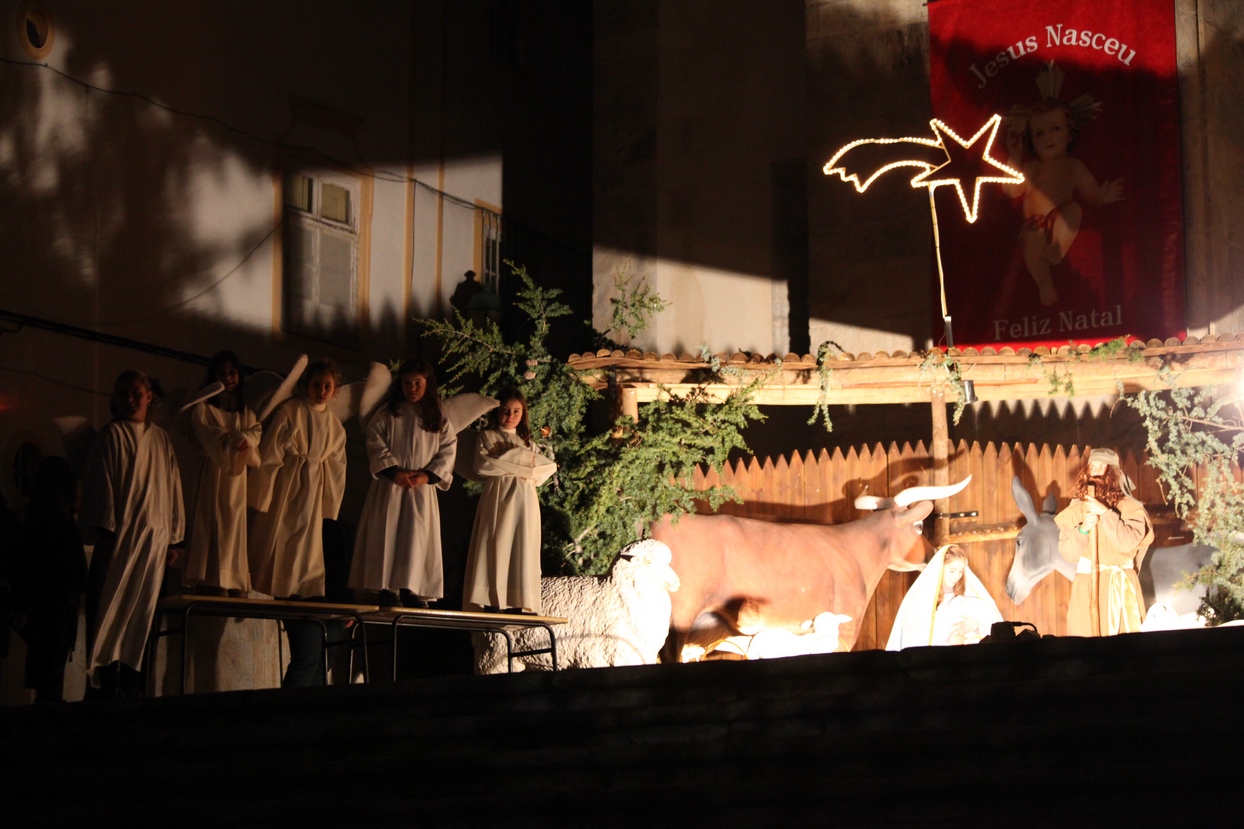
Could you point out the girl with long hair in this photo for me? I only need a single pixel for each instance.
(503, 566)
(411, 447)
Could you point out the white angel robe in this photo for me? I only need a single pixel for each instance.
(924, 619)
(399, 537)
(503, 566)
(216, 548)
(300, 481)
(131, 487)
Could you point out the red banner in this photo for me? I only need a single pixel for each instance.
(1090, 245)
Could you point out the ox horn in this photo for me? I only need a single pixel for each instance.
(873, 502)
(929, 493)
(906, 567)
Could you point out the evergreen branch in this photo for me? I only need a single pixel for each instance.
(1186, 432)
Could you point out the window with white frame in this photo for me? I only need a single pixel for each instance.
(320, 282)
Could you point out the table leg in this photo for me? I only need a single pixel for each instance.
(552, 644)
(185, 644)
(509, 650)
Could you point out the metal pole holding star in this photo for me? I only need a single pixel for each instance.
(960, 160)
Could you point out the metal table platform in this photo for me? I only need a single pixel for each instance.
(502, 624)
(274, 609)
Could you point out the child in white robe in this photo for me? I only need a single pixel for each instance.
(411, 447)
(227, 434)
(132, 509)
(300, 482)
(503, 566)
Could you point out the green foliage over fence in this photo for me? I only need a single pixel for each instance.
(610, 485)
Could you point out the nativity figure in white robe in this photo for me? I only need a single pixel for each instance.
(947, 605)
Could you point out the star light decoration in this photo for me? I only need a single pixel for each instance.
(964, 160)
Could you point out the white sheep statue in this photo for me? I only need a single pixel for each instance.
(619, 619)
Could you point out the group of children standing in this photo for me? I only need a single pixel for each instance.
(253, 514)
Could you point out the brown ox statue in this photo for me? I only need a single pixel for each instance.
(743, 574)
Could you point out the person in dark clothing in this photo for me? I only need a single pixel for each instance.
(464, 292)
(52, 576)
(10, 555)
(306, 636)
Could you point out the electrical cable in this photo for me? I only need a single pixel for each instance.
(941, 275)
(383, 175)
(49, 379)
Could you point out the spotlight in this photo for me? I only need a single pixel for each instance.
(969, 391)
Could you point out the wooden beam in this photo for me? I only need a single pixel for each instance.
(898, 378)
(990, 532)
(630, 403)
(941, 468)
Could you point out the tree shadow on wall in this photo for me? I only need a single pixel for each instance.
(151, 215)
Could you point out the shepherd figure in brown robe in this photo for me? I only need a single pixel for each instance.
(1105, 532)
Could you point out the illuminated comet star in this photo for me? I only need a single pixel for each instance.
(965, 159)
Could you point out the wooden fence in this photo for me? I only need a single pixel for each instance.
(822, 489)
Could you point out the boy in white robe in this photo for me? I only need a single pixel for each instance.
(300, 481)
(227, 434)
(132, 506)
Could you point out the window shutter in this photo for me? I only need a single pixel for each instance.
(320, 285)
(299, 279)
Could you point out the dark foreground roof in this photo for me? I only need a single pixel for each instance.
(1132, 731)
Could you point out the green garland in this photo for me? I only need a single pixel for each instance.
(824, 376)
(1063, 384)
(943, 368)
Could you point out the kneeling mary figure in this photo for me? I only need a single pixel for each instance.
(947, 605)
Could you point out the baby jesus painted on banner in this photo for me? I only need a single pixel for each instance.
(947, 605)
(1038, 144)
